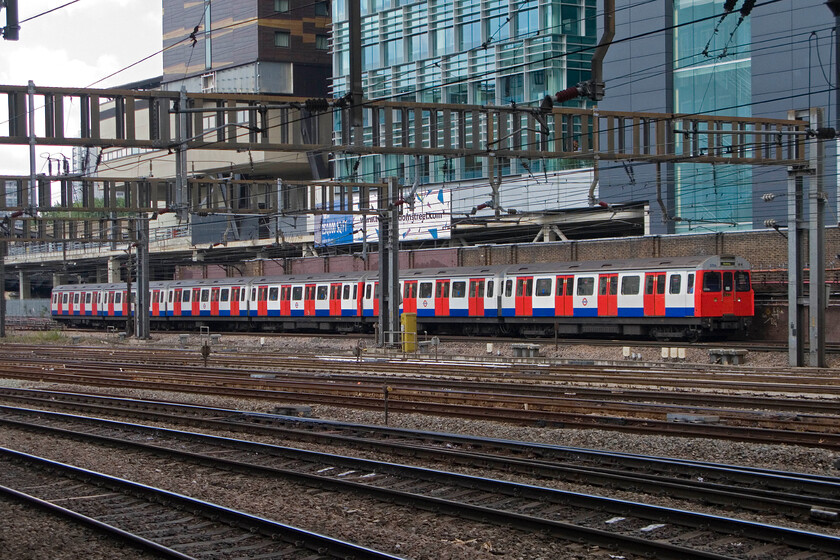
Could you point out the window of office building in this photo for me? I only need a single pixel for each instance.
(282, 39)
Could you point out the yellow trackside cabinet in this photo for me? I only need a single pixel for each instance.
(409, 331)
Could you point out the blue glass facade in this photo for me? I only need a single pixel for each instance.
(712, 75)
(461, 51)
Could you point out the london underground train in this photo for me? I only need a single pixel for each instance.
(673, 297)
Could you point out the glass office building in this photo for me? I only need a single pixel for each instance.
(493, 52)
(712, 75)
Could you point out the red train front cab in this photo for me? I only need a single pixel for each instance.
(724, 289)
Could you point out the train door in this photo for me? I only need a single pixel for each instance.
(410, 296)
(376, 299)
(262, 301)
(727, 306)
(360, 300)
(60, 303)
(654, 294)
(442, 298)
(155, 303)
(563, 302)
(234, 300)
(524, 292)
(214, 301)
(335, 300)
(607, 295)
(286, 300)
(309, 300)
(476, 295)
(94, 303)
(176, 302)
(196, 302)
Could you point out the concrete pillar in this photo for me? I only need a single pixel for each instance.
(59, 279)
(114, 275)
(101, 274)
(24, 285)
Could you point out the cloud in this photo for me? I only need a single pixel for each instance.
(76, 46)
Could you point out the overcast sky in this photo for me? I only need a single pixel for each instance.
(76, 46)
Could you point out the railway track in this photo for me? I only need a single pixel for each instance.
(625, 526)
(548, 397)
(171, 525)
(793, 495)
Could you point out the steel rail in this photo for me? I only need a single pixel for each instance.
(791, 494)
(444, 402)
(629, 526)
(255, 536)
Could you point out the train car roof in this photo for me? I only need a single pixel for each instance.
(698, 262)
(662, 263)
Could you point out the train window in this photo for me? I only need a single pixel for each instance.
(355, 291)
(544, 287)
(630, 285)
(660, 283)
(481, 288)
(253, 294)
(560, 283)
(585, 286)
(205, 296)
(603, 285)
(322, 292)
(689, 289)
(473, 288)
(346, 290)
(490, 288)
(649, 282)
(262, 293)
(76, 298)
(459, 289)
(727, 281)
(243, 293)
(185, 296)
(214, 295)
(273, 293)
(520, 287)
(711, 281)
(170, 296)
(88, 297)
(224, 294)
(614, 285)
(368, 288)
(742, 281)
(376, 291)
(442, 290)
(675, 285)
(297, 293)
(425, 289)
(118, 298)
(66, 298)
(508, 288)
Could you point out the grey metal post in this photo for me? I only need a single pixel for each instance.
(796, 264)
(33, 183)
(394, 256)
(816, 248)
(181, 194)
(2, 289)
(142, 308)
(389, 273)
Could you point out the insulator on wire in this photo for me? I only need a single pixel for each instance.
(768, 197)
